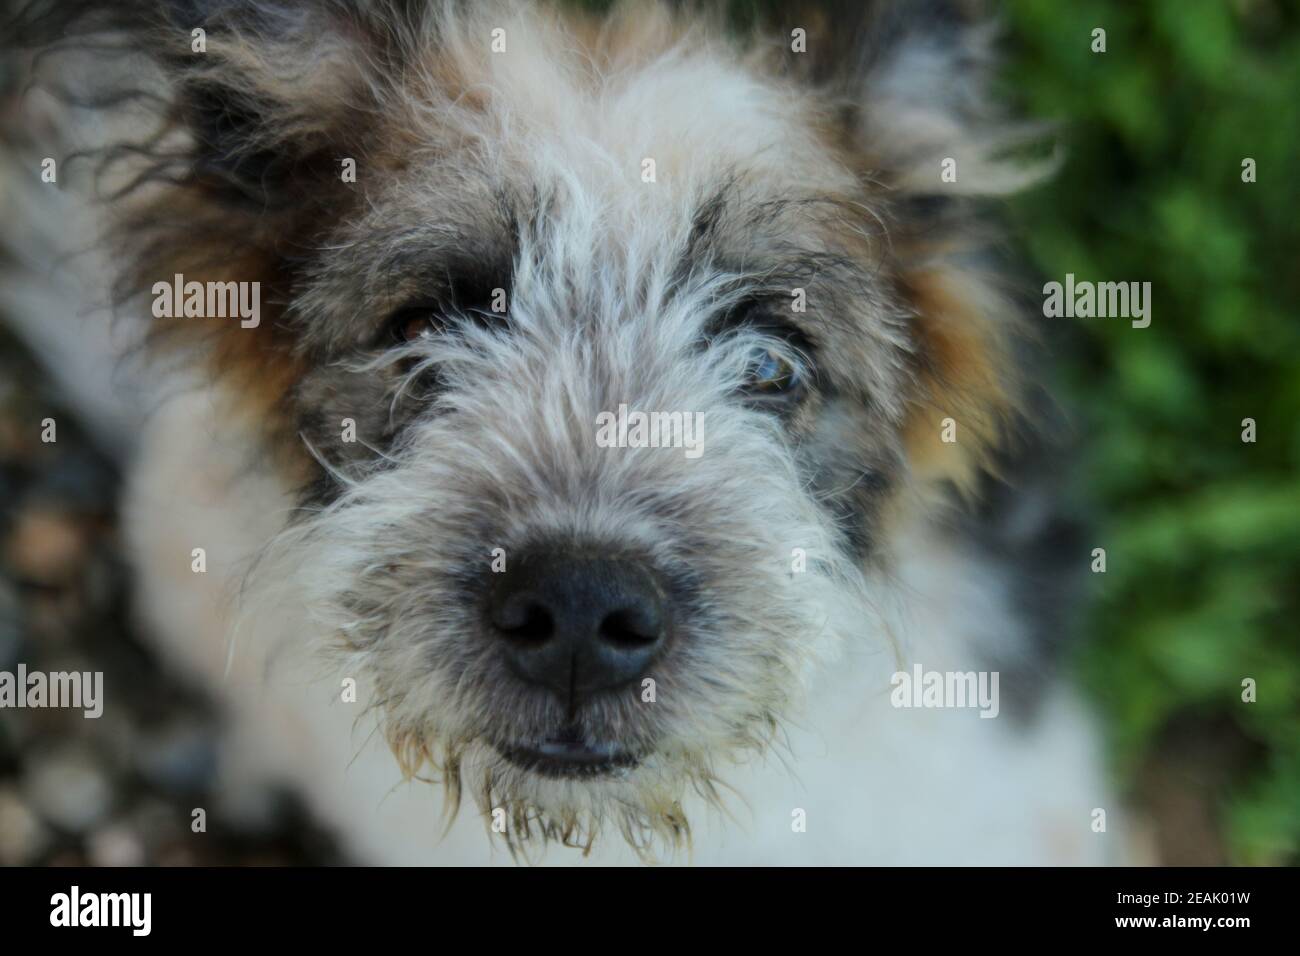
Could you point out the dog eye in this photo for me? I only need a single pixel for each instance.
(411, 324)
(771, 373)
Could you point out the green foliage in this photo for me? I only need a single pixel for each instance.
(1202, 530)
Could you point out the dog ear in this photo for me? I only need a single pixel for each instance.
(927, 120)
(269, 93)
(924, 128)
(221, 131)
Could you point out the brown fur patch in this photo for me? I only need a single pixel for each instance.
(259, 364)
(961, 327)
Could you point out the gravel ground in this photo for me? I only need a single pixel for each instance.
(118, 790)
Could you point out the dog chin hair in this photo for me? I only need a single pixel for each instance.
(526, 811)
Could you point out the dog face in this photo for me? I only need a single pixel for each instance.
(649, 610)
(553, 222)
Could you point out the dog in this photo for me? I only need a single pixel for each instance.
(615, 419)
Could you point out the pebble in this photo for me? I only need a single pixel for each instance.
(69, 788)
(46, 547)
(23, 837)
(178, 757)
(115, 845)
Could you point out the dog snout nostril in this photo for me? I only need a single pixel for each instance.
(577, 625)
(631, 627)
(522, 617)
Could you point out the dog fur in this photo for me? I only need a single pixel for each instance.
(522, 169)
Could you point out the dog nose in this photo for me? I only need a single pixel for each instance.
(578, 625)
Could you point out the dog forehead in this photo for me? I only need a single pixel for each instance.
(619, 152)
(644, 122)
